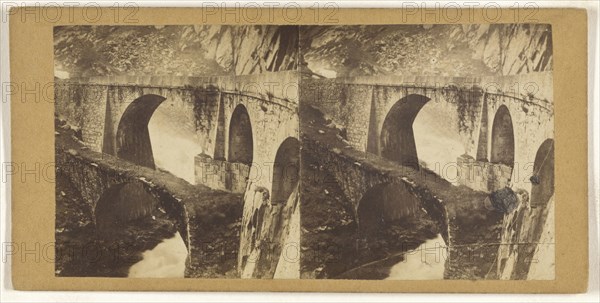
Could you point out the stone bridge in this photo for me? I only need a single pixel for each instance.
(506, 128)
(502, 121)
(106, 182)
(360, 176)
(247, 127)
(236, 119)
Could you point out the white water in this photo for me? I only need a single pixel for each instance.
(166, 260)
(426, 262)
(438, 140)
(173, 146)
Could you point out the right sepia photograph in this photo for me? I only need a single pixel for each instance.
(427, 152)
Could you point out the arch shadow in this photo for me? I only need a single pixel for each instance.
(503, 139)
(542, 180)
(286, 170)
(397, 139)
(240, 137)
(133, 139)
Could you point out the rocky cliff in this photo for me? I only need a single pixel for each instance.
(445, 50)
(194, 50)
(330, 51)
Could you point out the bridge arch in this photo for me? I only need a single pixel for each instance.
(385, 203)
(121, 203)
(285, 170)
(503, 139)
(397, 139)
(133, 139)
(542, 179)
(240, 147)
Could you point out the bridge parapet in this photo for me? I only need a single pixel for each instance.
(279, 87)
(407, 80)
(531, 90)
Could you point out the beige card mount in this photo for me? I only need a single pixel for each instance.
(352, 150)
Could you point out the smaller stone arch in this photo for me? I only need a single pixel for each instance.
(240, 147)
(286, 170)
(503, 138)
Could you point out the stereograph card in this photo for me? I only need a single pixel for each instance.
(288, 149)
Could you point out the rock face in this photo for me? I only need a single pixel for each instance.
(251, 49)
(511, 49)
(331, 51)
(174, 50)
(269, 240)
(448, 50)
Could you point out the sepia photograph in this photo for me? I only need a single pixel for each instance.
(298, 151)
(361, 152)
(427, 152)
(177, 151)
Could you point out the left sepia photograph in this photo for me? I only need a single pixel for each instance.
(177, 151)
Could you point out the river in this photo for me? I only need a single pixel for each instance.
(166, 260)
(438, 140)
(173, 146)
(426, 262)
